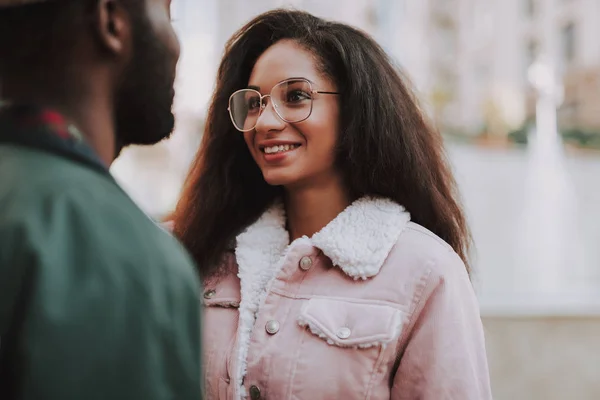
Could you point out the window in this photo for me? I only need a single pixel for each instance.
(531, 53)
(568, 43)
(530, 8)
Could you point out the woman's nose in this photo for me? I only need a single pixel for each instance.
(268, 118)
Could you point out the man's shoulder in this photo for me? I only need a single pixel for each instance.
(44, 195)
(29, 174)
(102, 236)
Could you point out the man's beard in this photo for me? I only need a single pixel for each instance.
(144, 102)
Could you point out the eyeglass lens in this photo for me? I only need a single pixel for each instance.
(292, 101)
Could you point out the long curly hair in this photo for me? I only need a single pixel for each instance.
(386, 147)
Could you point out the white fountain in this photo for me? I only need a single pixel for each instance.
(550, 251)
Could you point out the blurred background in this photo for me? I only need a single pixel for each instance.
(514, 86)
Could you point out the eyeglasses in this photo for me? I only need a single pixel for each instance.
(292, 100)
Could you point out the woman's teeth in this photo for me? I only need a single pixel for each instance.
(281, 148)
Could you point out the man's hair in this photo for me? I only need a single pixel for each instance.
(38, 34)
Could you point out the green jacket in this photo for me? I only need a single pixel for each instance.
(96, 300)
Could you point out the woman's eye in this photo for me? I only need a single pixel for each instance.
(253, 104)
(297, 95)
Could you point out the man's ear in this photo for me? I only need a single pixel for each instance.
(112, 25)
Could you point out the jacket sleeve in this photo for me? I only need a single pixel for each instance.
(444, 356)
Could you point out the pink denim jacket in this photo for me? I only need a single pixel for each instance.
(371, 307)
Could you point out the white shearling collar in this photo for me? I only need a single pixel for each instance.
(357, 241)
(360, 238)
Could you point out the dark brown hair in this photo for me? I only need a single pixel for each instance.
(40, 36)
(386, 148)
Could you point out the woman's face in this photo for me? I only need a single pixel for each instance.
(298, 154)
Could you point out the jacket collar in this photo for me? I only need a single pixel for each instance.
(46, 130)
(357, 241)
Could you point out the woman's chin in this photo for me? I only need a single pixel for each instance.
(277, 181)
(276, 178)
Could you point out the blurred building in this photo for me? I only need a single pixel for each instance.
(233, 14)
(578, 28)
(470, 58)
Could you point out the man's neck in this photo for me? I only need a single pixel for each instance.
(93, 118)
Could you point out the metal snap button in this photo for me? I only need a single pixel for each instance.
(209, 294)
(305, 263)
(344, 333)
(272, 327)
(254, 392)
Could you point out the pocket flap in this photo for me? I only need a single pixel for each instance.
(224, 292)
(351, 324)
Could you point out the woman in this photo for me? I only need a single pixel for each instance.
(325, 223)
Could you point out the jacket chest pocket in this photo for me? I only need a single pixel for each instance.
(351, 324)
(344, 347)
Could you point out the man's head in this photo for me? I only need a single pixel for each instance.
(124, 51)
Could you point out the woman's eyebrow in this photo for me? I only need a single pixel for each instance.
(257, 88)
(298, 78)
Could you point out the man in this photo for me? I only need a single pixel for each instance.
(96, 301)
